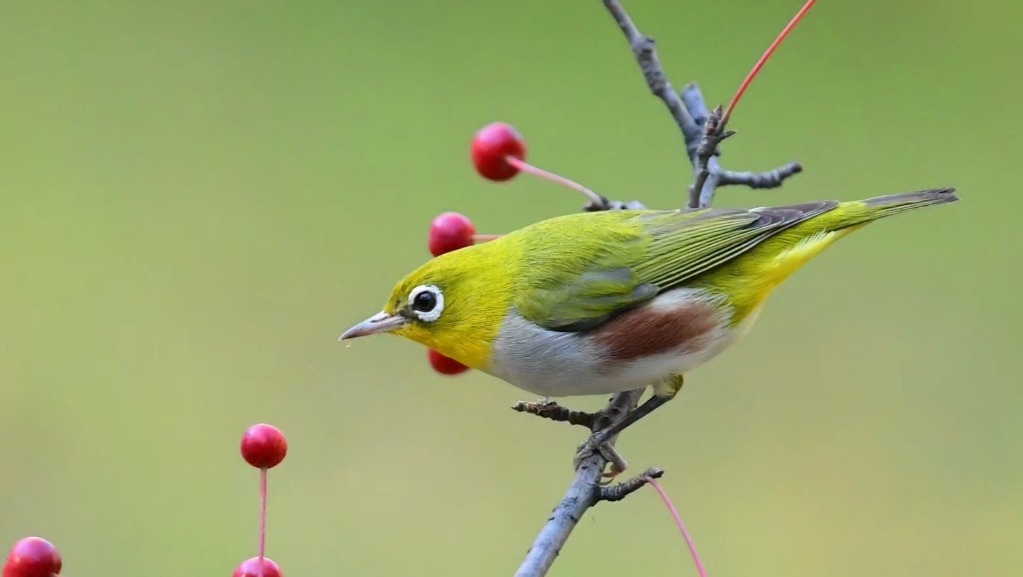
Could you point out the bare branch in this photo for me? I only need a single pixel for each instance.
(769, 179)
(643, 48)
(703, 131)
(548, 409)
(692, 98)
(623, 490)
(689, 109)
(713, 133)
(582, 494)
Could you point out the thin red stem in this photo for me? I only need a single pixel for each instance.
(526, 167)
(763, 59)
(681, 526)
(262, 518)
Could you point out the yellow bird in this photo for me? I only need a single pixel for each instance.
(603, 302)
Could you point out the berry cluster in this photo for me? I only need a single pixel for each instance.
(498, 153)
(263, 446)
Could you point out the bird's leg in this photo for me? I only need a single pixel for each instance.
(641, 411)
(617, 461)
(663, 392)
(610, 454)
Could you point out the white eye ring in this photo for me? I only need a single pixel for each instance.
(430, 315)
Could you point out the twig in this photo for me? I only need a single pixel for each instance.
(769, 179)
(548, 409)
(689, 111)
(583, 493)
(713, 133)
(692, 98)
(623, 490)
(643, 48)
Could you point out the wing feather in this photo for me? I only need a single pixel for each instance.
(595, 280)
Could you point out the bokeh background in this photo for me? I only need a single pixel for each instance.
(196, 198)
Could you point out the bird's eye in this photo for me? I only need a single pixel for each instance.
(426, 302)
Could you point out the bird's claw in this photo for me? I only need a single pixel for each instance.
(606, 450)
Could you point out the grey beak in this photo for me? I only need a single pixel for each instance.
(378, 323)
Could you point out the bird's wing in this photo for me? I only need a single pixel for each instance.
(614, 261)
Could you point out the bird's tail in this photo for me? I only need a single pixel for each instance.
(771, 262)
(860, 212)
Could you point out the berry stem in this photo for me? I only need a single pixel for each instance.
(681, 526)
(526, 167)
(763, 59)
(485, 237)
(262, 517)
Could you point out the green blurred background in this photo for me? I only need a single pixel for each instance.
(196, 198)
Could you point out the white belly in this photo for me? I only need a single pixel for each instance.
(558, 364)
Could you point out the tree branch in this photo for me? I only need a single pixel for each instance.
(548, 409)
(643, 48)
(713, 133)
(689, 110)
(768, 179)
(583, 493)
(702, 131)
(623, 490)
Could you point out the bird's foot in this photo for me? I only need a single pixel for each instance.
(606, 450)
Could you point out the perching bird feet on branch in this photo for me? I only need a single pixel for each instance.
(608, 451)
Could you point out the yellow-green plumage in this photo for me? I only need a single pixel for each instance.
(750, 279)
(611, 298)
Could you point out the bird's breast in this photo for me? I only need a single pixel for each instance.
(672, 333)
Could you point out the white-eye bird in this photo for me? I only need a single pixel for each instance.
(603, 302)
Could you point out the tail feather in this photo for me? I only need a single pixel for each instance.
(913, 199)
(751, 277)
(857, 213)
(864, 211)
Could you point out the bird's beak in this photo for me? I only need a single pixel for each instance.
(378, 323)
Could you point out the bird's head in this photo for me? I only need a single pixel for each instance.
(454, 304)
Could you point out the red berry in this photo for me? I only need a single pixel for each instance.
(250, 568)
(445, 365)
(491, 147)
(33, 557)
(264, 446)
(450, 231)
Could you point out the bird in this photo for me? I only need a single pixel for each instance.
(595, 303)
